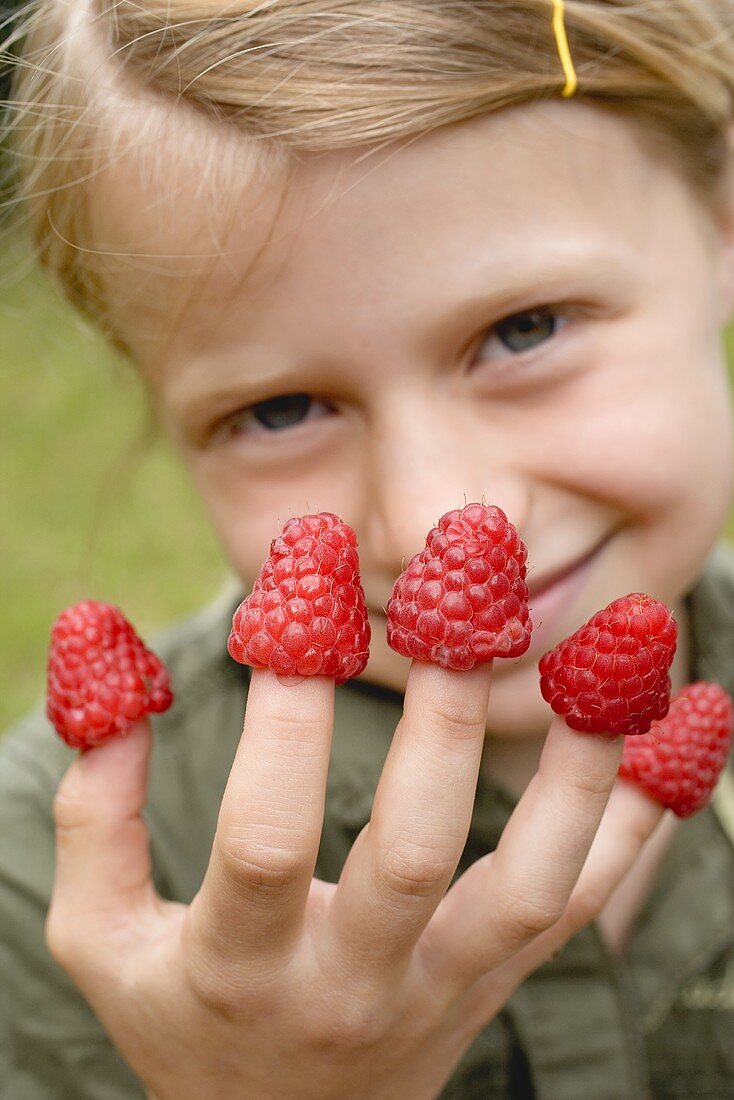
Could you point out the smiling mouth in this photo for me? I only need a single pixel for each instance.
(553, 597)
(541, 585)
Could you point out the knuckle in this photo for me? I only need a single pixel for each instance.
(224, 984)
(349, 1025)
(287, 725)
(457, 718)
(215, 987)
(637, 833)
(267, 867)
(413, 870)
(585, 906)
(525, 918)
(71, 812)
(61, 938)
(591, 787)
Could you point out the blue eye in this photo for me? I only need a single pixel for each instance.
(285, 411)
(524, 331)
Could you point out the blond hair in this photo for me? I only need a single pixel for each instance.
(305, 76)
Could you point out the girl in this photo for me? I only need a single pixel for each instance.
(378, 258)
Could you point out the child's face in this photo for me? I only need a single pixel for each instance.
(525, 308)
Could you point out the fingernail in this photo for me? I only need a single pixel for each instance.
(289, 681)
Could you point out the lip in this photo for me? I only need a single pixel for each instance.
(539, 584)
(553, 595)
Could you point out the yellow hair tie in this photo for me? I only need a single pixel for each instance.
(564, 53)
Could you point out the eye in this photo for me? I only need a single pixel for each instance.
(288, 410)
(524, 331)
(282, 412)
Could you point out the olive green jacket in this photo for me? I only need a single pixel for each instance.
(586, 1026)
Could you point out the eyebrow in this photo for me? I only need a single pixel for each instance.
(517, 279)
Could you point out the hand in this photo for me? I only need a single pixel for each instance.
(275, 985)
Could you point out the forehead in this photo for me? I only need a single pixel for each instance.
(200, 237)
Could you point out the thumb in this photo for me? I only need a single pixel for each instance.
(103, 868)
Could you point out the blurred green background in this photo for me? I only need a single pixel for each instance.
(91, 502)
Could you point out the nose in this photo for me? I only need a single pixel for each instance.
(425, 459)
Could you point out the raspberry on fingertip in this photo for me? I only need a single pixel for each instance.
(463, 600)
(306, 614)
(612, 675)
(678, 763)
(101, 677)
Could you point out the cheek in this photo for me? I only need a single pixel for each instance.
(670, 449)
(676, 445)
(649, 430)
(657, 447)
(248, 508)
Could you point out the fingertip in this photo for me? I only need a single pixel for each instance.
(635, 799)
(102, 858)
(111, 775)
(446, 699)
(568, 751)
(131, 743)
(273, 697)
(465, 679)
(289, 681)
(609, 744)
(267, 680)
(583, 737)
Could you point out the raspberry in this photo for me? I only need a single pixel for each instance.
(679, 761)
(306, 613)
(101, 676)
(463, 600)
(611, 676)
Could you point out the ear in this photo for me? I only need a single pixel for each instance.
(724, 219)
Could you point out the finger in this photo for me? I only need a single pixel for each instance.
(511, 896)
(631, 826)
(103, 870)
(402, 863)
(629, 823)
(255, 888)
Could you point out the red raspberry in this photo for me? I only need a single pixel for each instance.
(463, 600)
(679, 761)
(101, 676)
(611, 676)
(306, 613)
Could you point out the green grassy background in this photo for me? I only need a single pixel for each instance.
(91, 503)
